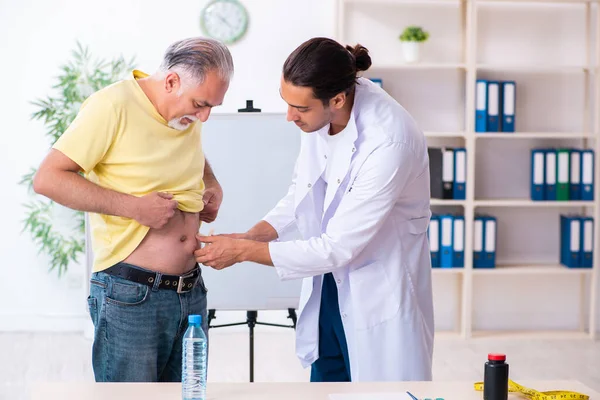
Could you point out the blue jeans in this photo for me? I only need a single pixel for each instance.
(138, 329)
(333, 364)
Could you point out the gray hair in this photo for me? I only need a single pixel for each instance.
(195, 57)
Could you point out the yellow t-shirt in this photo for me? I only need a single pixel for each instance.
(122, 143)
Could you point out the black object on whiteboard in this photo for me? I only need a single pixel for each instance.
(249, 107)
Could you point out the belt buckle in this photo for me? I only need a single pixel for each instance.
(182, 285)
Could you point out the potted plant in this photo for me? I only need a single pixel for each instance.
(412, 37)
(79, 78)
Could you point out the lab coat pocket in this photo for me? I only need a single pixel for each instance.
(413, 244)
(373, 299)
(418, 225)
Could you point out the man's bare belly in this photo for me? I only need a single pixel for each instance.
(169, 250)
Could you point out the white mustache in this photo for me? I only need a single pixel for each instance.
(177, 124)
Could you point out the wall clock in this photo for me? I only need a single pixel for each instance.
(224, 20)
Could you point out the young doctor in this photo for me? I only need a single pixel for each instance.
(360, 199)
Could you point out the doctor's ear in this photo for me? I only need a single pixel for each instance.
(338, 101)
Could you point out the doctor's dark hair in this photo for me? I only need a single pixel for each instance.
(326, 66)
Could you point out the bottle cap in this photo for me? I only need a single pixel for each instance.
(496, 357)
(195, 320)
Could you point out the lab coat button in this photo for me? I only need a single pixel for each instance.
(309, 185)
(325, 156)
(339, 281)
(339, 181)
(353, 149)
(344, 315)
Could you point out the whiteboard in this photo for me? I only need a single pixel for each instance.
(252, 156)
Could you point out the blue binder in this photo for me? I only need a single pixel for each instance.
(433, 234)
(460, 174)
(489, 242)
(377, 81)
(550, 175)
(575, 176)
(478, 242)
(458, 235)
(570, 241)
(446, 241)
(538, 172)
(508, 92)
(481, 105)
(587, 242)
(587, 174)
(493, 106)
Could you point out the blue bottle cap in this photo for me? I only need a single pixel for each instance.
(195, 320)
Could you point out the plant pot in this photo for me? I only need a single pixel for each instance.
(411, 51)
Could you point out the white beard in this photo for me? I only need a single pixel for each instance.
(177, 124)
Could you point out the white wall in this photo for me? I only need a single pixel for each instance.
(37, 36)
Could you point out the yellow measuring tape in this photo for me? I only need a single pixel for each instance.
(535, 395)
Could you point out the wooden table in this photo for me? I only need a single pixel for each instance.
(283, 391)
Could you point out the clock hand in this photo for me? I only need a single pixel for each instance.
(223, 20)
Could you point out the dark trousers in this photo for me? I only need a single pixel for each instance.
(333, 364)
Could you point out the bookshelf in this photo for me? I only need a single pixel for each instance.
(551, 48)
(445, 134)
(422, 66)
(535, 135)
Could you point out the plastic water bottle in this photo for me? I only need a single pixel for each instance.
(193, 376)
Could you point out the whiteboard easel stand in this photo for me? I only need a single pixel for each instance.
(251, 321)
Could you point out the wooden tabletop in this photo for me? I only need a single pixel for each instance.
(284, 391)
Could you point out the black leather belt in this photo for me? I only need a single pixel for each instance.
(180, 283)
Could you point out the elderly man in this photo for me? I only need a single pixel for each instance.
(148, 187)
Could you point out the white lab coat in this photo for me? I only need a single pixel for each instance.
(368, 226)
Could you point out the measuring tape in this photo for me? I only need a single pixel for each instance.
(535, 395)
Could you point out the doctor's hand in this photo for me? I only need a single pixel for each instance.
(213, 196)
(236, 235)
(218, 252)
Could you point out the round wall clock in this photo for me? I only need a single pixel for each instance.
(224, 20)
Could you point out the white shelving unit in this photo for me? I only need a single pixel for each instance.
(557, 65)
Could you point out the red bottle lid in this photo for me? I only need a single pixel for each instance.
(496, 357)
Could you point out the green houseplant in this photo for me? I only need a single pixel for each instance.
(411, 38)
(79, 78)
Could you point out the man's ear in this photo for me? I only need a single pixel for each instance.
(172, 82)
(338, 101)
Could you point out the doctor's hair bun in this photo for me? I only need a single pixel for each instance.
(361, 56)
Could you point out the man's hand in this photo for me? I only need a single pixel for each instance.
(219, 252)
(213, 196)
(155, 209)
